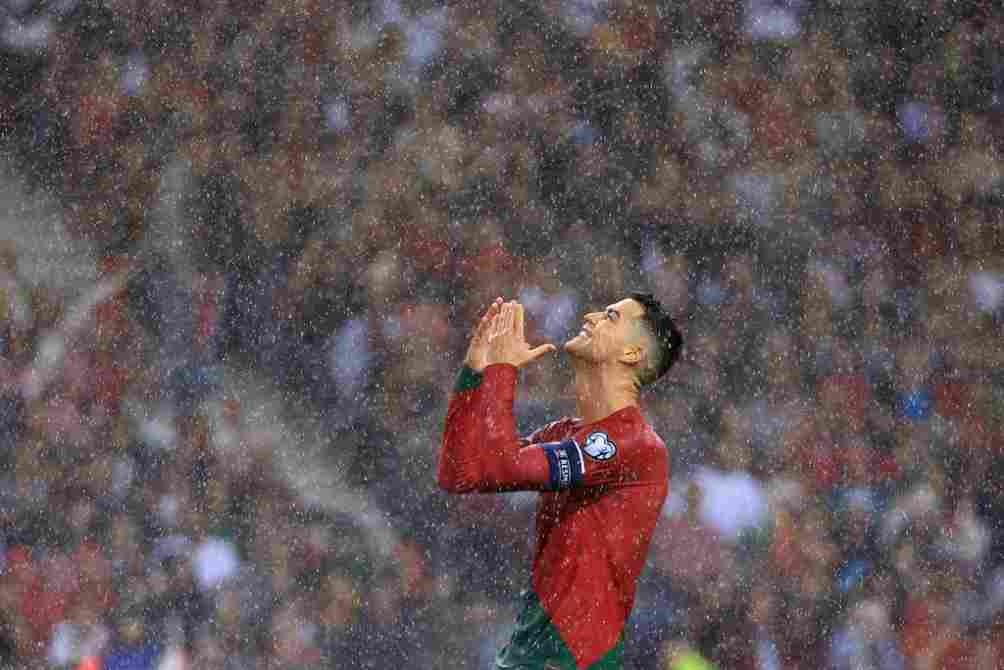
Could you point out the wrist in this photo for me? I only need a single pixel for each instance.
(500, 360)
(500, 382)
(475, 365)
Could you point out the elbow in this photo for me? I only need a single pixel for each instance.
(456, 474)
(452, 481)
(448, 484)
(456, 486)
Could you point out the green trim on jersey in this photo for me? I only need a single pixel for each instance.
(468, 380)
(537, 645)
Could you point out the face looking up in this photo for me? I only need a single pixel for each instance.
(616, 334)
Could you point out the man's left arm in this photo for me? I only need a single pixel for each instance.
(481, 448)
(482, 451)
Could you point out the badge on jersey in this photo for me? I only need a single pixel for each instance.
(600, 447)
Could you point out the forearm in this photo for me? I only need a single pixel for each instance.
(501, 467)
(460, 455)
(481, 448)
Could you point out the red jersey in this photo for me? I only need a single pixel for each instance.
(602, 485)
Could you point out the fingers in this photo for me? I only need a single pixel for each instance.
(492, 311)
(542, 350)
(484, 323)
(499, 322)
(503, 327)
(507, 317)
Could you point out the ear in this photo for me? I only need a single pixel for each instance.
(632, 355)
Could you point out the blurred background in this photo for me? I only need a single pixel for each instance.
(245, 242)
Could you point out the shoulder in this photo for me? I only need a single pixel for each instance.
(603, 442)
(634, 451)
(630, 429)
(556, 430)
(649, 438)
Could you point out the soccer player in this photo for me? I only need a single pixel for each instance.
(603, 476)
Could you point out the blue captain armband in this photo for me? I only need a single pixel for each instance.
(566, 464)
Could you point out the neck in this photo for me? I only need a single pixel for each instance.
(601, 390)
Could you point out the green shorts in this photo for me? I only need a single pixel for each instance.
(536, 645)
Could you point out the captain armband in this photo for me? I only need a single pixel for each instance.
(565, 463)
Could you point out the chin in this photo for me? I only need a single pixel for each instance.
(576, 346)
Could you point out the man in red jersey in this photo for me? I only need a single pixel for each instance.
(603, 476)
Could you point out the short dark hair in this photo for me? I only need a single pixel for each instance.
(665, 334)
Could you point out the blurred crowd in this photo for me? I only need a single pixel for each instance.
(331, 191)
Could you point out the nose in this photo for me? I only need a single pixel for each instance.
(592, 317)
